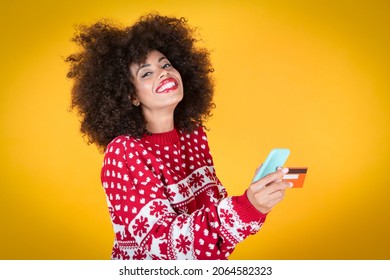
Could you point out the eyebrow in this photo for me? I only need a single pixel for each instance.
(147, 65)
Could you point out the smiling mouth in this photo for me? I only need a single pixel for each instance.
(167, 85)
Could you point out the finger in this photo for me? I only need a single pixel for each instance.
(278, 186)
(276, 201)
(267, 202)
(271, 193)
(258, 168)
(272, 177)
(276, 195)
(279, 168)
(274, 187)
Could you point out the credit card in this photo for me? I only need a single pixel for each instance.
(296, 175)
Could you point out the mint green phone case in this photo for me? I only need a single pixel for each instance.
(277, 157)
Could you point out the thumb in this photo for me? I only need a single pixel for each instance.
(257, 170)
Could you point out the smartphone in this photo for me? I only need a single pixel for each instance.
(276, 158)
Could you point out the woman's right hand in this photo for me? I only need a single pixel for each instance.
(268, 191)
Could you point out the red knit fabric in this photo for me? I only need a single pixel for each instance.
(166, 202)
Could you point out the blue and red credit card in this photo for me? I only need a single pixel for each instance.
(296, 175)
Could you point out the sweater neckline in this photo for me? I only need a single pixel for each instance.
(163, 138)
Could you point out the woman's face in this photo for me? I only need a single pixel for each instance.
(157, 83)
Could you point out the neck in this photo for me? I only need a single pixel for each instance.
(159, 122)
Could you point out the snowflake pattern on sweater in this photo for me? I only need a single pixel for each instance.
(166, 202)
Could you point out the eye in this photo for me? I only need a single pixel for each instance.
(146, 74)
(166, 65)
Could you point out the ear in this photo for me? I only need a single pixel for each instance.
(135, 102)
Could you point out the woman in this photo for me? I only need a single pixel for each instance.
(144, 93)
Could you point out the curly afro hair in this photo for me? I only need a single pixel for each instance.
(102, 90)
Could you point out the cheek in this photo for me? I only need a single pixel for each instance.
(143, 89)
(177, 73)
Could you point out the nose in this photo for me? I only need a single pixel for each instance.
(164, 72)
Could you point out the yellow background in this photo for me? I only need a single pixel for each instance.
(308, 75)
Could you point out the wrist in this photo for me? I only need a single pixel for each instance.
(247, 211)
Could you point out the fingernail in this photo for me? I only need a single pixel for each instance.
(285, 170)
(291, 184)
(278, 168)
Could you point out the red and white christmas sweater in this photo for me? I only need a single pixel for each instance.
(166, 202)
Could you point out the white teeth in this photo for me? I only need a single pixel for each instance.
(166, 86)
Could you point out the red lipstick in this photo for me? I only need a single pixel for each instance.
(167, 85)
